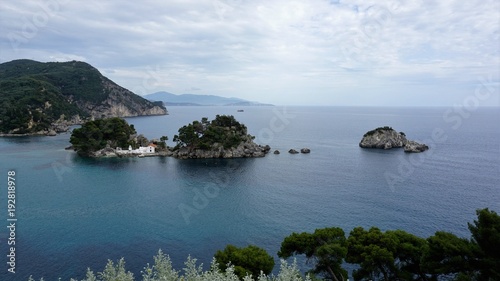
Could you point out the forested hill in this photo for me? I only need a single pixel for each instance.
(37, 97)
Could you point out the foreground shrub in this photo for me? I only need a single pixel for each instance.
(162, 270)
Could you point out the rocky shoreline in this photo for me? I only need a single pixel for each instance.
(244, 150)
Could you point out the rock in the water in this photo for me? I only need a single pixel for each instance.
(415, 147)
(276, 152)
(293, 151)
(387, 138)
(52, 133)
(267, 148)
(383, 137)
(305, 150)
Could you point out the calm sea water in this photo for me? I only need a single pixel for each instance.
(75, 213)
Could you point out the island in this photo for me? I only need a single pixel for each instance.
(170, 99)
(387, 138)
(223, 137)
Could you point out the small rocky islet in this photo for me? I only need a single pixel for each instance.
(388, 138)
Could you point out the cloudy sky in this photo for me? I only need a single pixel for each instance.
(315, 52)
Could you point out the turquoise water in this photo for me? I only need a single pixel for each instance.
(75, 213)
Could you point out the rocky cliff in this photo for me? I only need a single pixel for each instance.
(387, 138)
(44, 98)
(120, 102)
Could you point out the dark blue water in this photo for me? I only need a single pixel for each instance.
(75, 213)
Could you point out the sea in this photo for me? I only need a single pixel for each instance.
(74, 213)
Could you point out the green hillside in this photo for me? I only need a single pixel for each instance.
(35, 96)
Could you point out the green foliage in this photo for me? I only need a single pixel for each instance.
(448, 254)
(389, 255)
(116, 272)
(486, 237)
(162, 144)
(224, 130)
(31, 105)
(96, 135)
(327, 246)
(250, 260)
(162, 270)
(398, 255)
(385, 128)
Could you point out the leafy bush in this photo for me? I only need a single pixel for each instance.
(162, 270)
(250, 260)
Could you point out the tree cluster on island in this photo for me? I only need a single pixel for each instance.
(224, 130)
(377, 255)
(223, 137)
(109, 133)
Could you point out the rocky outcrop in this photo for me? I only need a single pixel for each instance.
(243, 150)
(276, 152)
(415, 147)
(383, 137)
(305, 150)
(387, 138)
(293, 151)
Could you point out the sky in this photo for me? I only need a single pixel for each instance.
(314, 52)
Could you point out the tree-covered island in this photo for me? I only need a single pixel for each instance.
(223, 137)
(114, 137)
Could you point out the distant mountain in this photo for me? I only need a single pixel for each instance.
(199, 100)
(37, 97)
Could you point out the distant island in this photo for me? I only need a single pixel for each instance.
(46, 98)
(223, 137)
(170, 99)
(387, 138)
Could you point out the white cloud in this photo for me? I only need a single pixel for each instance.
(296, 52)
